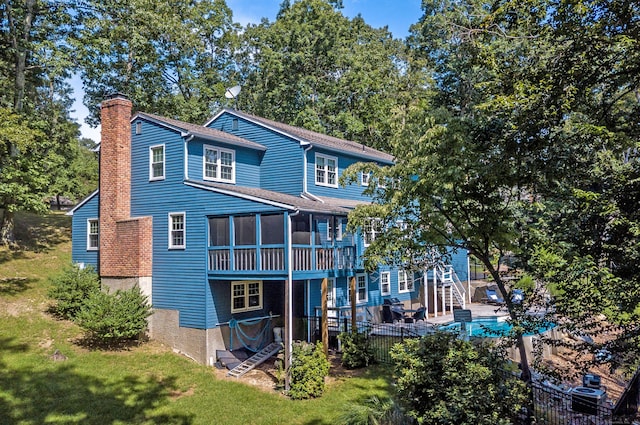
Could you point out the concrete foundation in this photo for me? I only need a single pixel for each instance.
(125, 283)
(199, 345)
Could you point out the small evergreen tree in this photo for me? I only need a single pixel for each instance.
(115, 317)
(71, 289)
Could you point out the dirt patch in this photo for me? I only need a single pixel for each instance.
(264, 376)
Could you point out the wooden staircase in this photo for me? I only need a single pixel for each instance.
(253, 361)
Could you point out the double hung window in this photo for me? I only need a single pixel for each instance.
(405, 281)
(93, 230)
(219, 164)
(177, 227)
(156, 162)
(326, 170)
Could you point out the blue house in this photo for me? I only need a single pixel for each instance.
(240, 220)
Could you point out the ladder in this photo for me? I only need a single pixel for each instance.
(253, 361)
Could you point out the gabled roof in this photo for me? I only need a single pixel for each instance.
(84, 201)
(201, 132)
(306, 137)
(277, 199)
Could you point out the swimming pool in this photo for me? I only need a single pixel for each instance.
(491, 327)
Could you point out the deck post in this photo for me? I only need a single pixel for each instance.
(435, 294)
(352, 284)
(325, 317)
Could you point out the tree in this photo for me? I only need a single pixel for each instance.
(527, 103)
(34, 62)
(445, 380)
(315, 68)
(171, 58)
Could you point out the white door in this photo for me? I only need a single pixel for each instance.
(331, 297)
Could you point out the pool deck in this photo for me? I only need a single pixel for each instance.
(477, 310)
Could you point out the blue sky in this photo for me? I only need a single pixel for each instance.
(397, 15)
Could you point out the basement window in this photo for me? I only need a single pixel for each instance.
(246, 296)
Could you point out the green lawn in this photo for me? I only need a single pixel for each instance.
(146, 384)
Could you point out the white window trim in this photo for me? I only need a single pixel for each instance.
(407, 278)
(246, 295)
(89, 247)
(365, 178)
(164, 162)
(382, 291)
(184, 230)
(373, 223)
(217, 178)
(325, 170)
(337, 222)
(366, 289)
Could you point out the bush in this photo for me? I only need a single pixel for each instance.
(445, 380)
(308, 369)
(356, 350)
(71, 289)
(114, 317)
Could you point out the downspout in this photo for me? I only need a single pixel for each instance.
(288, 340)
(305, 192)
(187, 138)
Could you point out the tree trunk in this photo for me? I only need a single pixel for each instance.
(7, 236)
(20, 44)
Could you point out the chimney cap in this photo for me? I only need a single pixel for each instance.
(116, 95)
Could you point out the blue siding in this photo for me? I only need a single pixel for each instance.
(281, 167)
(247, 162)
(79, 252)
(179, 275)
(351, 191)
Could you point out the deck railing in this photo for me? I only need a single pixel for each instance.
(304, 258)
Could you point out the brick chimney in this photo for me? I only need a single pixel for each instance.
(125, 242)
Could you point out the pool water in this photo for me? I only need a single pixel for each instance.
(490, 327)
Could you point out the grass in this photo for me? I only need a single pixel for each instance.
(144, 384)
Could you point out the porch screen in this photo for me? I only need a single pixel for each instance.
(272, 229)
(244, 230)
(219, 231)
(301, 229)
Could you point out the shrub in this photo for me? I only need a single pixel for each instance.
(308, 369)
(115, 317)
(445, 380)
(356, 350)
(71, 289)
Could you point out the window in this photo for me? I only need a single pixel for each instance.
(371, 229)
(272, 229)
(234, 124)
(244, 230)
(361, 288)
(326, 170)
(219, 164)
(334, 223)
(385, 283)
(138, 127)
(405, 281)
(219, 231)
(365, 178)
(93, 230)
(246, 296)
(176, 230)
(156, 162)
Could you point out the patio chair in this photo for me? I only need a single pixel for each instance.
(517, 296)
(420, 314)
(494, 298)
